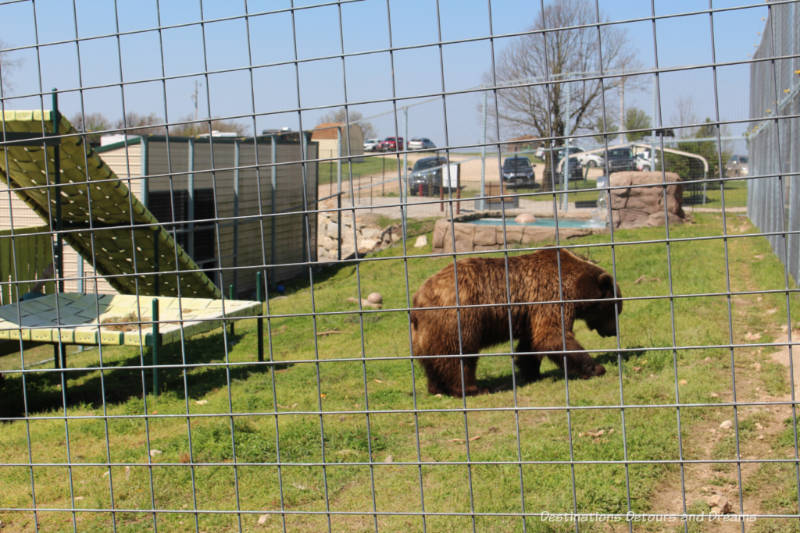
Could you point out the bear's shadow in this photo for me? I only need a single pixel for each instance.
(506, 382)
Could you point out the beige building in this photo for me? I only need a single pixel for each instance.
(234, 204)
(330, 134)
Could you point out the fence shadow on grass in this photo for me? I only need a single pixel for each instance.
(85, 387)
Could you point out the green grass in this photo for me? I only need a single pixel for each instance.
(735, 194)
(369, 165)
(359, 360)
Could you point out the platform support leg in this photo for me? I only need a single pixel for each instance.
(260, 319)
(155, 342)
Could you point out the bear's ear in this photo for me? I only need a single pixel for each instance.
(606, 284)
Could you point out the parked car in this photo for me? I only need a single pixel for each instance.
(420, 143)
(372, 145)
(391, 144)
(644, 162)
(737, 166)
(518, 172)
(620, 159)
(591, 160)
(575, 169)
(426, 175)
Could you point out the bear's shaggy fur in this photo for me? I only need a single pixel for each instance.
(536, 319)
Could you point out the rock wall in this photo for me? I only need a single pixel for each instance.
(369, 235)
(473, 237)
(637, 199)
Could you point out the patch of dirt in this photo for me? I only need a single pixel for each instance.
(784, 356)
(705, 485)
(129, 322)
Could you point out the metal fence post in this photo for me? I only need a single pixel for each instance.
(155, 343)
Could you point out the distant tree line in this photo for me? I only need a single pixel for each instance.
(97, 124)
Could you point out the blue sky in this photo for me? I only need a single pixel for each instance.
(328, 80)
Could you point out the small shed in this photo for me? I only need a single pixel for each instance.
(235, 205)
(524, 143)
(330, 135)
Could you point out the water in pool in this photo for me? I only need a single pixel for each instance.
(542, 222)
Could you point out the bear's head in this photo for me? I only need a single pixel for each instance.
(599, 314)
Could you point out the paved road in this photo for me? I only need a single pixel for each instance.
(368, 196)
(426, 207)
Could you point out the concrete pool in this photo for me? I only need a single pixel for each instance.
(486, 232)
(542, 222)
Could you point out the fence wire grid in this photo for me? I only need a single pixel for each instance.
(221, 225)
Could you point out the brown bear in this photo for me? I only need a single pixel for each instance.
(478, 320)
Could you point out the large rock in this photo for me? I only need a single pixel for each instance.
(638, 199)
(474, 237)
(365, 235)
(484, 236)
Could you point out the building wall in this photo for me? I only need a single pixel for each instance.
(256, 224)
(258, 221)
(329, 148)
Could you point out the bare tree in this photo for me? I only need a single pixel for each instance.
(192, 129)
(152, 124)
(367, 129)
(548, 81)
(137, 124)
(89, 123)
(7, 66)
(684, 114)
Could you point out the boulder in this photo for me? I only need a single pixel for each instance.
(638, 199)
(484, 236)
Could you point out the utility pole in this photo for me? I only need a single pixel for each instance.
(196, 101)
(565, 166)
(622, 108)
(482, 202)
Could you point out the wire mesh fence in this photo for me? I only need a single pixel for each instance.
(379, 265)
(773, 135)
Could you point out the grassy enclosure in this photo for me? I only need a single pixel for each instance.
(340, 431)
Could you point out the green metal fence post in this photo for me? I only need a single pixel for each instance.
(59, 350)
(260, 319)
(156, 261)
(155, 342)
(230, 296)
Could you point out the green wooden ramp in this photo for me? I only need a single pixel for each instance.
(97, 215)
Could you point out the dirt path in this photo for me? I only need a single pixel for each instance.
(755, 430)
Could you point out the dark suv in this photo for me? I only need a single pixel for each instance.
(426, 175)
(518, 172)
(620, 159)
(575, 168)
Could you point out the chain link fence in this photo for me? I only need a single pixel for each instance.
(774, 134)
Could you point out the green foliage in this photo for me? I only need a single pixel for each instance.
(636, 119)
(692, 169)
(383, 168)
